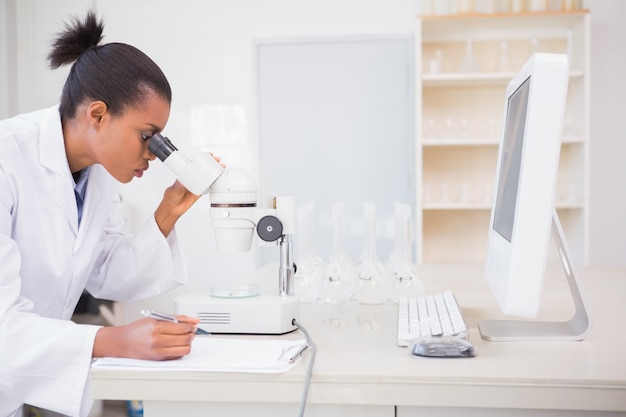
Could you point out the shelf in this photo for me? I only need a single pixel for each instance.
(457, 206)
(565, 205)
(475, 79)
(467, 78)
(572, 140)
(460, 142)
(473, 142)
(459, 119)
(575, 14)
(497, 26)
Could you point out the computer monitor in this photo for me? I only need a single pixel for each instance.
(523, 212)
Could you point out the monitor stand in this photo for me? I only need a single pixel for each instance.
(544, 331)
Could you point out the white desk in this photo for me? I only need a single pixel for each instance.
(363, 372)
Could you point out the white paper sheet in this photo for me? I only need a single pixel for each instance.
(215, 354)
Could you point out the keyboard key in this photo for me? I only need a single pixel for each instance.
(431, 315)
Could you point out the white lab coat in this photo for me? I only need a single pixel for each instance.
(46, 261)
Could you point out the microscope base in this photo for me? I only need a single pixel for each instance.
(263, 314)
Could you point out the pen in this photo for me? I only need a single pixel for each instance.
(168, 317)
(299, 353)
(159, 316)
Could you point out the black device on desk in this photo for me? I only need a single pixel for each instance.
(442, 347)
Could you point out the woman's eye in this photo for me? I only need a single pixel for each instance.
(145, 137)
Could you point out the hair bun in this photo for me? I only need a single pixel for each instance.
(77, 38)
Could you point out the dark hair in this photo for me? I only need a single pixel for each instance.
(116, 73)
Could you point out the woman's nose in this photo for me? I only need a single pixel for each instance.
(150, 156)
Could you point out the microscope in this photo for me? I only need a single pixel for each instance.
(237, 308)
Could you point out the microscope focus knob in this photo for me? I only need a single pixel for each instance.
(269, 228)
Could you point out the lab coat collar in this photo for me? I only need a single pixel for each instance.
(51, 144)
(53, 157)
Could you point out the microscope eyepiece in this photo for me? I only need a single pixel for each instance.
(161, 146)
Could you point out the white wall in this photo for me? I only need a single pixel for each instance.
(7, 53)
(608, 133)
(205, 47)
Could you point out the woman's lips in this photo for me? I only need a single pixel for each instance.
(139, 172)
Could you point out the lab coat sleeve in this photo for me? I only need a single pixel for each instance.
(136, 267)
(43, 361)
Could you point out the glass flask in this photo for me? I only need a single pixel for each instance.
(371, 287)
(309, 265)
(340, 274)
(403, 275)
(469, 63)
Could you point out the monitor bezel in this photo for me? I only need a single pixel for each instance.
(515, 269)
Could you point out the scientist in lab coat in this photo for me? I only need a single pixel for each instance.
(60, 232)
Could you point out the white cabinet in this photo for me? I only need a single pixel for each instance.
(463, 65)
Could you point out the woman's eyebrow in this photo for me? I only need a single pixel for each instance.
(155, 128)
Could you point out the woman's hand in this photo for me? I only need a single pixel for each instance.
(176, 201)
(147, 339)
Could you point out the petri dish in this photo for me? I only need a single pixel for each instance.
(234, 290)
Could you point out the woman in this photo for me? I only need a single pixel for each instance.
(59, 232)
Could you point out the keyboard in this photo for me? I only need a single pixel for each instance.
(429, 315)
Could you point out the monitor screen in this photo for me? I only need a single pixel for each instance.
(506, 197)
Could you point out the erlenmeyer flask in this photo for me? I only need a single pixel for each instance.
(371, 286)
(310, 267)
(469, 63)
(404, 279)
(340, 275)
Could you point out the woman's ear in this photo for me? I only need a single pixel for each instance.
(96, 112)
